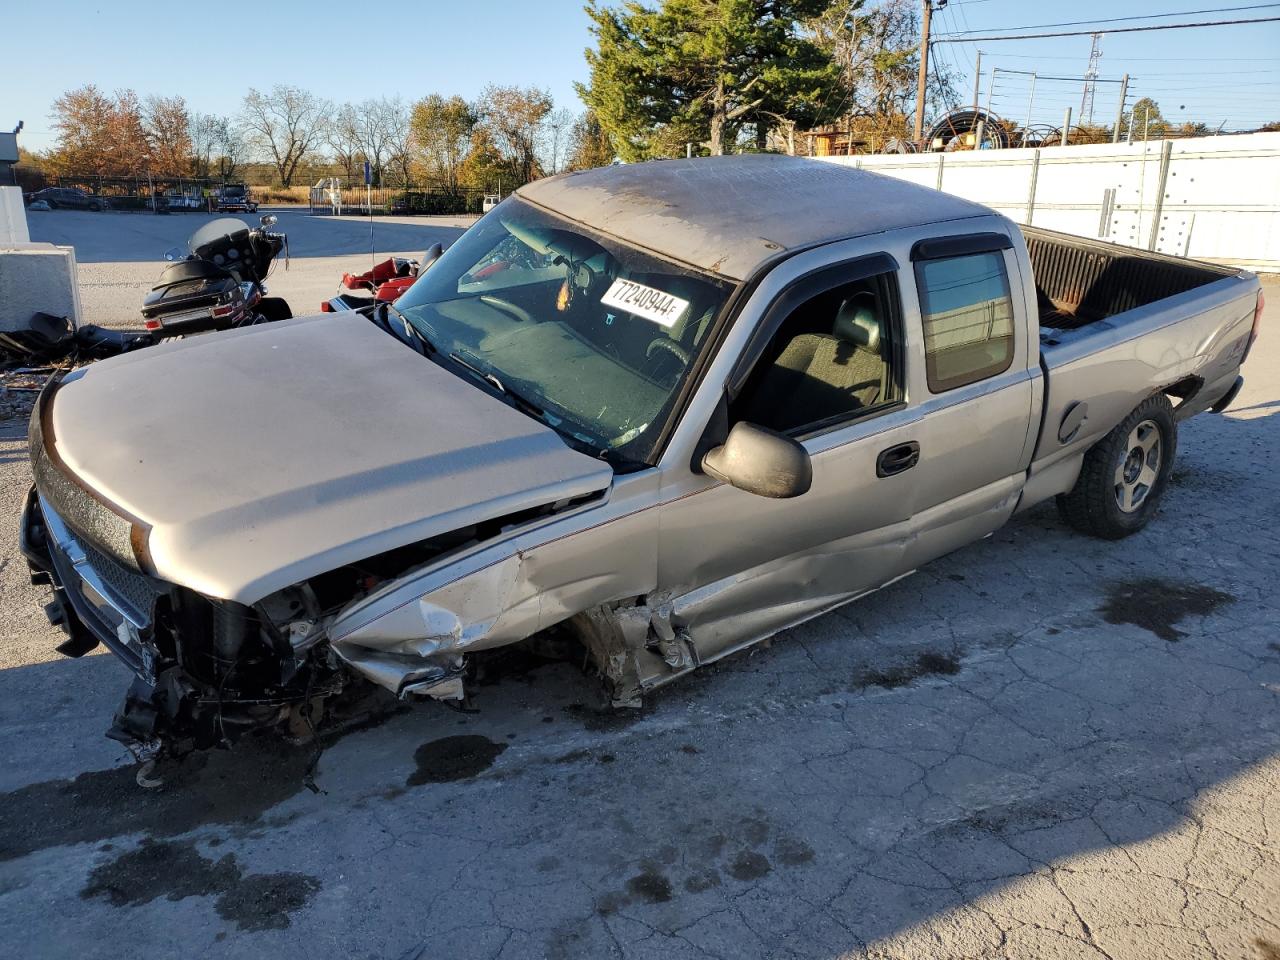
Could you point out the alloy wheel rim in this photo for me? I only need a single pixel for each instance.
(1139, 467)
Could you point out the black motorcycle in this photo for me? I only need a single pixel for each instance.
(220, 283)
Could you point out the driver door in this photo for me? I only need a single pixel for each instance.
(741, 566)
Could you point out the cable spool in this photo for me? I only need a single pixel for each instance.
(959, 130)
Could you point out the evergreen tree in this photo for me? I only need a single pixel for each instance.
(699, 70)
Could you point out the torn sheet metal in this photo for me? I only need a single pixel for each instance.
(502, 594)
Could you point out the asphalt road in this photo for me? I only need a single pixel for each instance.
(1040, 746)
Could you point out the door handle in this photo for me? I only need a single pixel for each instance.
(898, 458)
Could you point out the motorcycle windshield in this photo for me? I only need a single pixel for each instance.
(216, 232)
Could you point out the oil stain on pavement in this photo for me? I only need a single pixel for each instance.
(175, 871)
(1159, 605)
(738, 854)
(453, 758)
(925, 665)
(205, 789)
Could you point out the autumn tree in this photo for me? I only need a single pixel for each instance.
(1146, 121)
(698, 70)
(589, 145)
(514, 118)
(168, 127)
(82, 119)
(100, 135)
(442, 130)
(286, 124)
(129, 147)
(486, 167)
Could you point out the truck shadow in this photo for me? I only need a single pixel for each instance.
(995, 724)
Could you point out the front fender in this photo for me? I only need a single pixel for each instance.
(502, 593)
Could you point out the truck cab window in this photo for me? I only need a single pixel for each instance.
(968, 319)
(831, 359)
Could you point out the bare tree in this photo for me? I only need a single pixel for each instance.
(558, 130)
(287, 124)
(376, 123)
(204, 141)
(878, 48)
(343, 137)
(400, 146)
(233, 149)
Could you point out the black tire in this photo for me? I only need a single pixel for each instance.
(95, 206)
(272, 309)
(52, 205)
(1112, 474)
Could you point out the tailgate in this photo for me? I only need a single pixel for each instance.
(1113, 365)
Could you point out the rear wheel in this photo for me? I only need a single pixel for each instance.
(1124, 474)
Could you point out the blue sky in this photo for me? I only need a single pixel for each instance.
(1224, 73)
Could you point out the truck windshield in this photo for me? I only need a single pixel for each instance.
(598, 337)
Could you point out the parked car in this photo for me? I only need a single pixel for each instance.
(72, 198)
(235, 197)
(672, 408)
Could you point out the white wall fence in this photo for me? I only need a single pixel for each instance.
(1211, 198)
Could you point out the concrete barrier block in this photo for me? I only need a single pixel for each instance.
(13, 217)
(34, 278)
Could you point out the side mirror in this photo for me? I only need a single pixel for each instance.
(430, 257)
(760, 461)
(269, 219)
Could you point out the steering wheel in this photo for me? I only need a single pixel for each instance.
(506, 306)
(666, 343)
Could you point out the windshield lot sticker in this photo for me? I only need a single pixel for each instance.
(662, 308)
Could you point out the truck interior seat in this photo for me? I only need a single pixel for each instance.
(822, 375)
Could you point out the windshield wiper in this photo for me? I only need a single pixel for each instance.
(572, 438)
(491, 378)
(412, 335)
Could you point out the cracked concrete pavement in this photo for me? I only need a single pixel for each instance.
(1040, 746)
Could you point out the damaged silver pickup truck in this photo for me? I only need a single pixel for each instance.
(671, 407)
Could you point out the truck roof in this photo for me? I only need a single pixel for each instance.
(729, 215)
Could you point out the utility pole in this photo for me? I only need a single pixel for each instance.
(924, 65)
(1031, 99)
(977, 79)
(1124, 93)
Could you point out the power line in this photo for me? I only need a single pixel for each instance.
(1209, 73)
(1152, 16)
(1085, 33)
(1038, 56)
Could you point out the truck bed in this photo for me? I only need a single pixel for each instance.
(1118, 325)
(1079, 282)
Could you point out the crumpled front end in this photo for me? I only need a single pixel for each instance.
(592, 572)
(205, 670)
(417, 646)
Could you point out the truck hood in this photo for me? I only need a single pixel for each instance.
(264, 456)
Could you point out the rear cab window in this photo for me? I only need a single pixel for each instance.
(966, 309)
